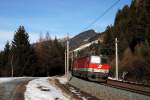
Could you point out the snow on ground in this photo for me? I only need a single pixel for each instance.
(62, 79)
(113, 78)
(8, 79)
(41, 89)
(78, 93)
(2, 80)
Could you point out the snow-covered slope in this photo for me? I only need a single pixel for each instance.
(2, 80)
(41, 89)
(8, 79)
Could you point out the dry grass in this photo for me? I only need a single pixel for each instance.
(19, 91)
(68, 93)
(134, 63)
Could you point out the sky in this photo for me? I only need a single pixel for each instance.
(58, 17)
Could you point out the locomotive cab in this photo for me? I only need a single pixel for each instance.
(99, 68)
(94, 68)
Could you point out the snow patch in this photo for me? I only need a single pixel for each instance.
(41, 89)
(3, 80)
(78, 93)
(112, 78)
(8, 79)
(62, 79)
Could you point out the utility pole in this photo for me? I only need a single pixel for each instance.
(68, 57)
(12, 70)
(116, 45)
(72, 59)
(65, 63)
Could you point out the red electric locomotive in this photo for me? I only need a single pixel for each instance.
(95, 68)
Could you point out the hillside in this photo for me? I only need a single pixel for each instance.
(132, 28)
(82, 38)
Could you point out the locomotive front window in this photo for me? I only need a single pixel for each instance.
(104, 60)
(95, 60)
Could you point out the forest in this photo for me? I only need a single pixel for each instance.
(46, 57)
(132, 28)
(43, 58)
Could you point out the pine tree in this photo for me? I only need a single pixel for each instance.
(22, 53)
(6, 54)
(108, 44)
(5, 60)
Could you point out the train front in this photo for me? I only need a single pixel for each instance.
(99, 68)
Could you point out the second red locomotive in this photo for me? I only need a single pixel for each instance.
(95, 68)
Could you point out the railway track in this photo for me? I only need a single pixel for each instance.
(113, 90)
(133, 87)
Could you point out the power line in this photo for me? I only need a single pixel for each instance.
(102, 14)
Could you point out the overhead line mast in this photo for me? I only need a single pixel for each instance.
(116, 45)
(65, 63)
(67, 57)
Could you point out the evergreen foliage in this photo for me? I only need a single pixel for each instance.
(44, 58)
(5, 60)
(22, 52)
(132, 28)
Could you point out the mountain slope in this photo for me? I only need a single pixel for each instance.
(82, 38)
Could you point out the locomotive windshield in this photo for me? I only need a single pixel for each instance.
(95, 59)
(104, 60)
(98, 60)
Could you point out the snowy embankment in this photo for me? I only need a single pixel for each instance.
(3, 80)
(8, 79)
(41, 89)
(113, 78)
